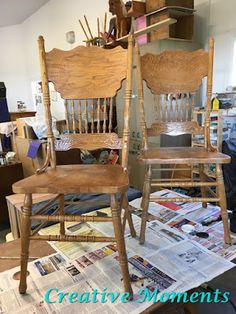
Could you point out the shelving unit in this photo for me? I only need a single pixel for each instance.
(148, 29)
(215, 136)
(220, 126)
(216, 128)
(219, 131)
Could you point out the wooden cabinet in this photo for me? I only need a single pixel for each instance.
(183, 29)
(153, 5)
(9, 174)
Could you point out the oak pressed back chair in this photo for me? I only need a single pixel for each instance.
(175, 77)
(87, 78)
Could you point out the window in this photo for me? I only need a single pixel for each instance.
(234, 65)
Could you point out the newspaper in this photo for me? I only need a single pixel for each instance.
(72, 249)
(196, 215)
(169, 260)
(190, 264)
(178, 267)
(178, 207)
(204, 215)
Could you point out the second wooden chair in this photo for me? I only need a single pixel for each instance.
(174, 77)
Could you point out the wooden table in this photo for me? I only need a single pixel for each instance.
(10, 252)
(9, 258)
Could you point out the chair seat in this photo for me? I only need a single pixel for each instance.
(182, 155)
(76, 179)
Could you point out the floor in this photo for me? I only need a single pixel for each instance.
(4, 230)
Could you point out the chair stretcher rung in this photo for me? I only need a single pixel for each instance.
(172, 169)
(72, 238)
(191, 184)
(172, 180)
(86, 202)
(60, 218)
(184, 199)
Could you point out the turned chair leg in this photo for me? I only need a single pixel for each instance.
(62, 213)
(203, 189)
(145, 203)
(222, 203)
(128, 216)
(25, 241)
(116, 217)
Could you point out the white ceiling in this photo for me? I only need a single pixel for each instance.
(16, 11)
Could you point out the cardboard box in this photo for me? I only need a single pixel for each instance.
(24, 130)
(20, 123)
(137, 9)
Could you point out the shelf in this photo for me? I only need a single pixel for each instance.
(179, 39)
(226, 93)
(176, 9)
(146, 30)
(201, 111)
(198, 144)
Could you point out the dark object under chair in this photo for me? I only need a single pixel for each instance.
(229, 171)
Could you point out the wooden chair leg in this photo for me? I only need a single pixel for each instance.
(145, 203)
(116, 216)
(203, 189)
(222, 203)
(25, 241)
(128, 216)
(61, 212)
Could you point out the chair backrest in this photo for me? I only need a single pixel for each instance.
(174, 78)
(87, 78)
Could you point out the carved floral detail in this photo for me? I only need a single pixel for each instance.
(88, 141)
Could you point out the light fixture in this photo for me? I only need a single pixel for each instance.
(70, 37)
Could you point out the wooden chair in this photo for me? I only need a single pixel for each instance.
(87, 78)
(174, 77)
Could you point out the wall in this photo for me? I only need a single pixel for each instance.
(13, 66)
(19, 53)
(52, 21)
(217, 18)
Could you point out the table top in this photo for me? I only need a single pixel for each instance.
(10, 252)
(9, 258)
